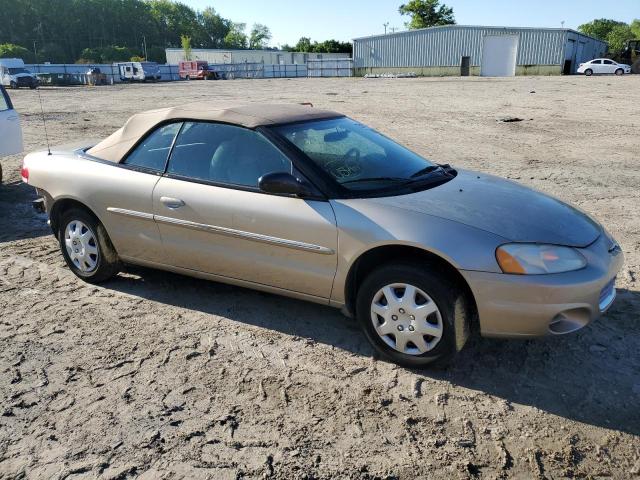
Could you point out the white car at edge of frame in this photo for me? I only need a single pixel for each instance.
(10, 130)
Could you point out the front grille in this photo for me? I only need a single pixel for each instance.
(25, 81)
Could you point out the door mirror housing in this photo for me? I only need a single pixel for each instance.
(283, 183)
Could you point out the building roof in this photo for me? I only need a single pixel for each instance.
(491, 27)
(117, 145)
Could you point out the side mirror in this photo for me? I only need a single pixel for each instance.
(282, 183)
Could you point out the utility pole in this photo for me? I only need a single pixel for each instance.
(35, 52)
(393, 29)
(562, 23)
(386, 24)
(144, 47)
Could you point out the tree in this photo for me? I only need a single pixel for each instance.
(618, 36)
(157, 54)
(635, 28)
(612, 31)
(600, 28)
(186, 46)
(64, 29)
(427, 13)
(236, 38)
(303, 45)
(9, 50)
(332, 46)
(214, 27)
(51, 52)
(259, 36)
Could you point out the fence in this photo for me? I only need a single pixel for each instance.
(76, 74)
(330, 68)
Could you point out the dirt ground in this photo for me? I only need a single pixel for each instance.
(155, 375)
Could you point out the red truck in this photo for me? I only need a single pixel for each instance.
(196, 70)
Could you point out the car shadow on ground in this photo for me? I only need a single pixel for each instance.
(589, 377)
(18, 219)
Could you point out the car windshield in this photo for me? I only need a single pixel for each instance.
(14, 71)
(356, 156)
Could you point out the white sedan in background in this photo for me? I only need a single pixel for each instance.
(10, 131)
(603, 66)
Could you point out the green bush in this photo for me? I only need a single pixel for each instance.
(10, 50)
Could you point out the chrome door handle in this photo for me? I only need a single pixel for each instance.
(172, 202)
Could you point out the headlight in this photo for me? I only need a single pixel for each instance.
(534, 259)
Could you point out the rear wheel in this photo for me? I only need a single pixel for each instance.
(13, 84)
(588, 72)
(619, 72)
(86, 246)
(410, 314)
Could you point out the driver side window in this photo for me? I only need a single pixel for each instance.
(221, 153)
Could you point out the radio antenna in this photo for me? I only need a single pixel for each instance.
(44, 122)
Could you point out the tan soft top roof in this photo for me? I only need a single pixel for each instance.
(116, 146)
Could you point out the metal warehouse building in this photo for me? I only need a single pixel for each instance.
(268, 57)
(470, 50)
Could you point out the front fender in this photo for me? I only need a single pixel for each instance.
(364, 225)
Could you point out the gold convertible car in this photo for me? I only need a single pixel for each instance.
(308, 203)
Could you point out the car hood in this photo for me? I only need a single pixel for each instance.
(504, 208)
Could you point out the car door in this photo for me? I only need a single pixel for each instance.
(609, 66)
(596, 66)
(123, 195)
(10, 130)
(213, 218)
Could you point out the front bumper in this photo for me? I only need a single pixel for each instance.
(538, 305)
(26, 82)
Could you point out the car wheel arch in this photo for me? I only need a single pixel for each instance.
(385, 254)
(60, 205)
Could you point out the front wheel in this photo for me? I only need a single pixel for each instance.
(13, 85)
(86, 246)
(619, 72)
(588, 72)
(410, 314)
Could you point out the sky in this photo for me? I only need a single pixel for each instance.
(348, 19)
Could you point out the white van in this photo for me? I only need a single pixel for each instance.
(139, 71)
(13, 74)
(10, 131)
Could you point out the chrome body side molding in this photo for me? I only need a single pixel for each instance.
(256, 237)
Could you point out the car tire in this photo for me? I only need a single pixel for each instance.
(78, 225)
(588, 72)
(433, 288)
(13, 85)
(619, 72)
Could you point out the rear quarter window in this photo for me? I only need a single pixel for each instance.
(153, 151)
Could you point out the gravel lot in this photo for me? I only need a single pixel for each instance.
(155, 375)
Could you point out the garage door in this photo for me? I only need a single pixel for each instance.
(499, 56)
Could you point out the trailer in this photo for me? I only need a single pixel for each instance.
(139, 71)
